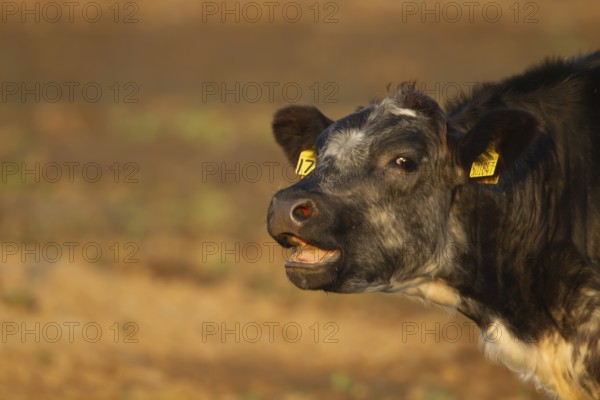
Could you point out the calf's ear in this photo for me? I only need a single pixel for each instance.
(296, 128)
(506, 132)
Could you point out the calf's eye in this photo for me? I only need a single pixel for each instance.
(406, 164)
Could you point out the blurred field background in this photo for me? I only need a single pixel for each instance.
(119, 286)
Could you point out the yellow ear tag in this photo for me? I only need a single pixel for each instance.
(484, 166)
(306, 163)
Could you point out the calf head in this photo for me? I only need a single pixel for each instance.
(375, 213)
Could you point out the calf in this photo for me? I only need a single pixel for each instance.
(491, 208)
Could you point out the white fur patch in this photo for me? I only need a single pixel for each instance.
(343, 143)
(403, 111)
(390, 105)
(549, 363)
(433, 290)
(438, 293)
(500, 345)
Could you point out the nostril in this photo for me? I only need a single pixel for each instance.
(302, 211)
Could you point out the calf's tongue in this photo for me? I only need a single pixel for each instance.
(308, 254)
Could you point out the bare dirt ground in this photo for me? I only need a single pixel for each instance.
(156, 279)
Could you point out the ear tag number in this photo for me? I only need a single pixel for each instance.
(484, 166)
(306, 163)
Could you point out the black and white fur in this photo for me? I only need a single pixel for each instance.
(391, 194)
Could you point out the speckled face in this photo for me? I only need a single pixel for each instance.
(375, 211)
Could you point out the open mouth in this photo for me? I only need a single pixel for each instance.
(308, 266)
(304, 255)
